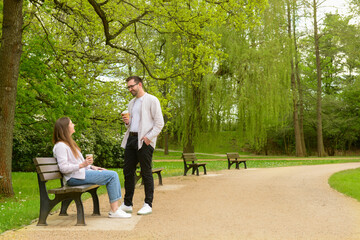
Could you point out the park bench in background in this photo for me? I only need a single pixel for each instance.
(235, 158)
(138, 175)
(48, 169)
(190, 162)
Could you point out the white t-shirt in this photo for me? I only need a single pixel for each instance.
(135, 115)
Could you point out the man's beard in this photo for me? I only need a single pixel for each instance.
(134, 93)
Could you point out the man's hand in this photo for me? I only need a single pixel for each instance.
(125, 118)
(146, 140)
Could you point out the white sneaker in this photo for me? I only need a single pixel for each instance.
(119, 214)
(127, 209)
(146, 209)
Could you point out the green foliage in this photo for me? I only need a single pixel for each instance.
(108, 151)
(62, 75)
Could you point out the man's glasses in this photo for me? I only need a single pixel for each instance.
(131, 86)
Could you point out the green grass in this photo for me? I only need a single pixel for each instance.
(347, 182)
(24, 207)
(159, 155)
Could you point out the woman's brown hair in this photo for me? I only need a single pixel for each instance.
(62, 134)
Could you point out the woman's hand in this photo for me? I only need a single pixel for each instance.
(88, 161)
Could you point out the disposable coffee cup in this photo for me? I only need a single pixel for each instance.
(125, 114)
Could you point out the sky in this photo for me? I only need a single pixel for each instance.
(327, 6)
(333, 5)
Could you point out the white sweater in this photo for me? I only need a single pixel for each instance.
(68, 164)
(151, 120)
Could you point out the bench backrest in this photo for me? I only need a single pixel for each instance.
(189, 157)
(47, 168)
(232, 155)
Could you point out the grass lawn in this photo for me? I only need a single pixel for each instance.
(24, 207)
(347, 182)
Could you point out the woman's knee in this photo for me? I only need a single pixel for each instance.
(113, 174)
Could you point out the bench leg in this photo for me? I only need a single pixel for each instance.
(160, 178)
(245, 165)
(186, 169)
(45, 208)
(95, 198)
(197, 171)
(237, 165)
(64, 206)
(45, 203)
(79, 210)
(204, 169)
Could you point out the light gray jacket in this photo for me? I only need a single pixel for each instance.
(151, 120)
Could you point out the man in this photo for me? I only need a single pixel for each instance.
(144, 123)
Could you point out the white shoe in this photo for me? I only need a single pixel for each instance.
(146, 209)
(119, 214)
(127, 209)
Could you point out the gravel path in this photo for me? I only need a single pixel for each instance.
(274, 203)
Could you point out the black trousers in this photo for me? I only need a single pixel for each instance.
(133, 156)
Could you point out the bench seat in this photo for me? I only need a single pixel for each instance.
(68, 189)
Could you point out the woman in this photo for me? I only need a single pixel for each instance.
(79, 171)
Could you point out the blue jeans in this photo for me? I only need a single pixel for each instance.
(105, 177)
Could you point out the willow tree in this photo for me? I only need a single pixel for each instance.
(257, 71)
(204, 59)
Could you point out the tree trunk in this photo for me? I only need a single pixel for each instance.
(195, 119)
(320, 143)
(299, 87)
(10, 54)
(298, 146)
(166, 136)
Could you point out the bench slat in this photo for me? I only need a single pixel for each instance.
(50, 176)
(40, 161)
(47, 168)
(67, 189)
(232, 155)
(189, 157)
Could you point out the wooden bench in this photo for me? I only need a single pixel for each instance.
(235, 158)
(48, 169)
(157, 171)
(190, 162)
